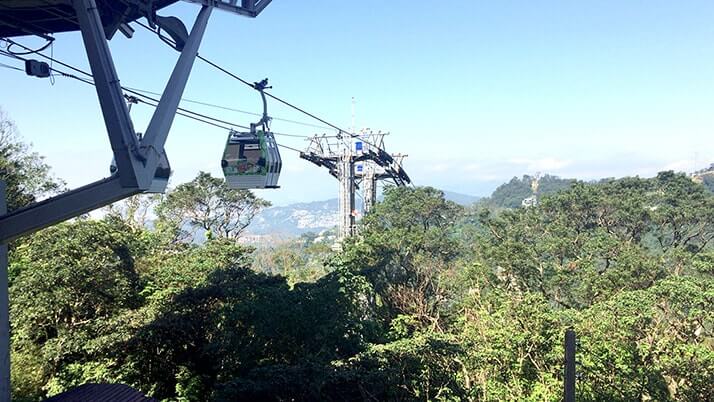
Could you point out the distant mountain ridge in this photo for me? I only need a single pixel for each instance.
(461, 199)
(316, 216)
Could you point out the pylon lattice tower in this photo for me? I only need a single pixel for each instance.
(358, 162)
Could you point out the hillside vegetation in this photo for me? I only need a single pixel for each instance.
(425, 304)
(431, 301)
(511, 194)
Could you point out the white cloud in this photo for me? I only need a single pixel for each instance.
(549, 164)
(472, 167)
(679, 166)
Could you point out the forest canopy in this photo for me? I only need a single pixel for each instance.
(430, 301)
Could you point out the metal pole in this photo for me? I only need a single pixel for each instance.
(61, 207)
(4, 311)
(569, 371)
(158, 130)
(351, 184)
(344, 197)
(111, 97)
(370, 187)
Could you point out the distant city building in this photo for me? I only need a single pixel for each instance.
(529, 202)
(698, 176)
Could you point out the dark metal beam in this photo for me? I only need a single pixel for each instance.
(111, 97)
(569, 369)
(261, 5)
(134, 175)
(152, 146)
(248, 8)
(136, 162)
(62, 207)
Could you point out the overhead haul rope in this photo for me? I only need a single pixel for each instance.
(185, 112)
(134, 90)
(169, 42)
(143, 99)
(213, 105)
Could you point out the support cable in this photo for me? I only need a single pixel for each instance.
(213, 105)
(286, 103)
(32, 51)
(186, 112)
(153, 102)
(248, 83)
(11, 67)
(84, 72)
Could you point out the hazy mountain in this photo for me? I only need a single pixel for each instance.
(316, 216)
(462, 199)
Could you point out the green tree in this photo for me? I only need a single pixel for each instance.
(74, 285)
(405, 244)
(237, 323)
(653, 344)
(298, 260)
(136, 211)
(25, 173)
(708, 182)
(626, 261)
(207, 203)
(586, 243)
(511, 346)
(427, 302)
(683, 212)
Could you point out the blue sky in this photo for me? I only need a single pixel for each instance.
(474, 91)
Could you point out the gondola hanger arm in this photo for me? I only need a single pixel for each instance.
(261, 86)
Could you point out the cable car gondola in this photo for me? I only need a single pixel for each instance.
(252, 159)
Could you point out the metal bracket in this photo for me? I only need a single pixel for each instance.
(249, 8)
(111, 96)
(136, 161)
(152, 146)
(175, 28)
(265, 119)
(64, 206)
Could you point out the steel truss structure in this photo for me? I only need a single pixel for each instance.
(358, 163)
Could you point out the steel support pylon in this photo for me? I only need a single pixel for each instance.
(135, 169)
(136, 162)
(369, 188)
(346, 198)
(341, 156)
